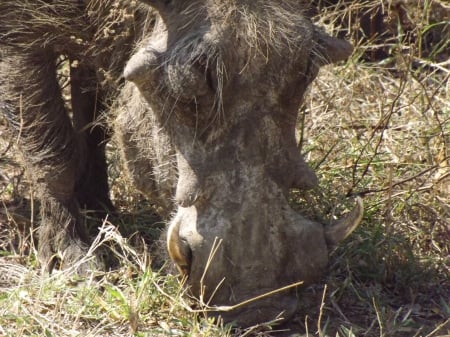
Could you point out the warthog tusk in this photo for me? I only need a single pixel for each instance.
(336, 232)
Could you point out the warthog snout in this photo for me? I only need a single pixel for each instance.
(240, 250)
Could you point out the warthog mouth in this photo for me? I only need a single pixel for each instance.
(275, 309)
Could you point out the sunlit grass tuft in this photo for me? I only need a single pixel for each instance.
(132, 300)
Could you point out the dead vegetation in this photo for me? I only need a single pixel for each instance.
(377, 129)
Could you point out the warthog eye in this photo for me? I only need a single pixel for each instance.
(193, 69)
(186, 83)
(203, 64)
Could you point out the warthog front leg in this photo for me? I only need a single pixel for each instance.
(63, 163)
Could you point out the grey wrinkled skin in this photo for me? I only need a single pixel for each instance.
(219, 85)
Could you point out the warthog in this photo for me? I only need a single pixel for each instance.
(206, 125)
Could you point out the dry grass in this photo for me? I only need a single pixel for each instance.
(385, 138)
(379, 130)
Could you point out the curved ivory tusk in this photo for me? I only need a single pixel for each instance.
(336, 232)
(179, 249)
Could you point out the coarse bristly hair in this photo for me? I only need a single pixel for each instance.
(103, 32)
(263, 25)
(251, 29)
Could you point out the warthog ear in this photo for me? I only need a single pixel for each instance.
(330, 49)
(336, 232)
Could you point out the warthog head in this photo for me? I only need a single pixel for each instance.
(225, 79)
